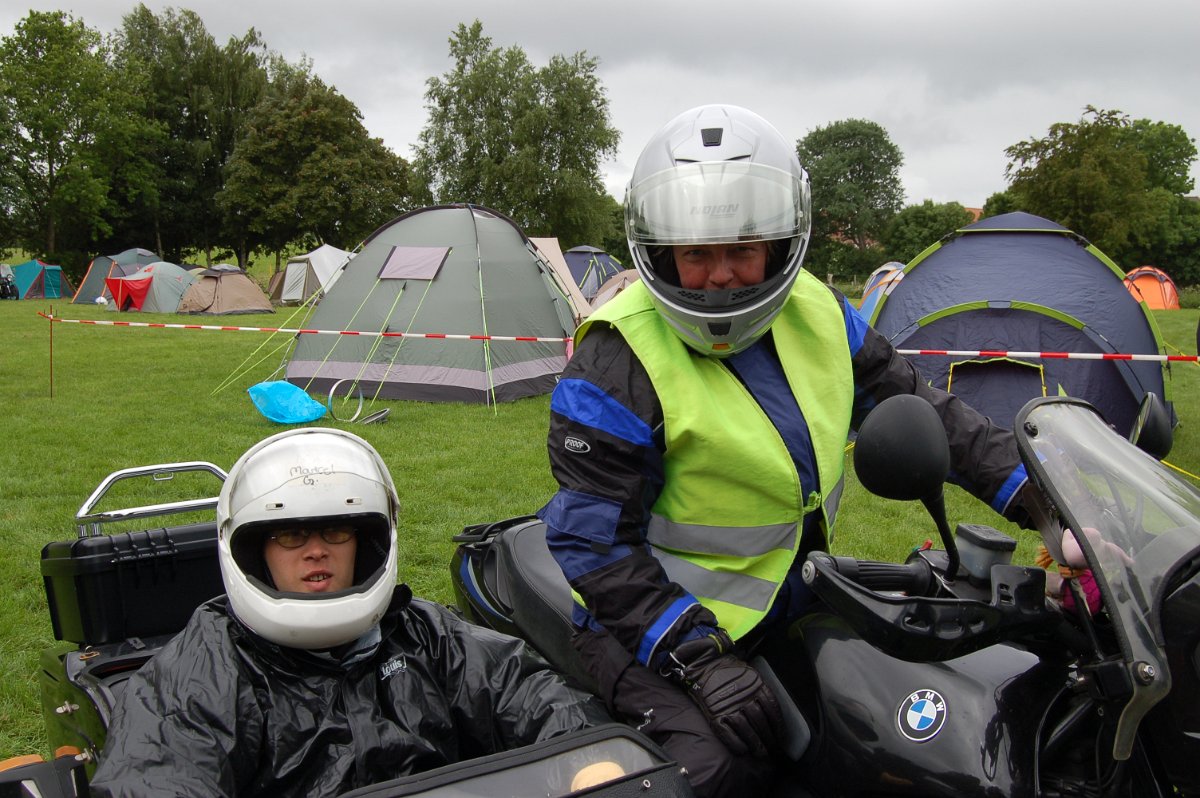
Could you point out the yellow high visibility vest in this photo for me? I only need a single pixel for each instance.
(726, 526)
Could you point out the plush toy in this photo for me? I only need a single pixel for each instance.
(1076, 567)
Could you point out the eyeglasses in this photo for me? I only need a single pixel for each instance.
(295, 538)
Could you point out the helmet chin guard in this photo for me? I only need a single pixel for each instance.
(718, 174)
(308, 476)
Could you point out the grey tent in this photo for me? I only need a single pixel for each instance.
(306, 274)
(104, 267)
(156, 288)
(224, 290)
(458, 270)
(1020, 283)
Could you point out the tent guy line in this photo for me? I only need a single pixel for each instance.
(452, 336)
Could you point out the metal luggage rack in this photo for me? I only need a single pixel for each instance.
(90, 524)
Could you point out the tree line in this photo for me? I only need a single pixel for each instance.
(1121, 183)
(157, 135)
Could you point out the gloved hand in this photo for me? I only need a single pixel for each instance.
(741, 709)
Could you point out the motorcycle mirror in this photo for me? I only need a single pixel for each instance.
(1151, 430)
(901, 452)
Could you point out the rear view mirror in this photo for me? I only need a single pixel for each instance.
(1151, 430)
(901, 451)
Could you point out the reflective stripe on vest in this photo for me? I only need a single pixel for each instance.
(725, 526)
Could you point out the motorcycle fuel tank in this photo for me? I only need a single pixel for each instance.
(884, 726)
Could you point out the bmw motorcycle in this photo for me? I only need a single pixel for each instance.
(953, 673)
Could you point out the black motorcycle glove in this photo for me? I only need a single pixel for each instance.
(741, 709)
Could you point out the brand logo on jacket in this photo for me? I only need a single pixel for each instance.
(921, 715)
(576, 445)
(391, 667)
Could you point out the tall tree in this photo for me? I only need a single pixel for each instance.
(527, 142)
(199, 94)
(855, 172)
(62, 104)
(307, 171)
(1106, 177)
(915, 227)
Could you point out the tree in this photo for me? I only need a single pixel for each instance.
(1001, 202)
(199, 93)
(62, 106)
(1106, 177)
(306, 170)
(915, 227)
(524, 141)
(854, 168)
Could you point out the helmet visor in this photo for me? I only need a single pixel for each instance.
(715, 202)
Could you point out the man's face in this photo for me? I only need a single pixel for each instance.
(710, 267)
(311, 563)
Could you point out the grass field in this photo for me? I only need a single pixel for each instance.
(132, 396)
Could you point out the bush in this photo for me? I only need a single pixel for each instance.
(1189, 296)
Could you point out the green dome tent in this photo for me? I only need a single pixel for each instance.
(446, 270)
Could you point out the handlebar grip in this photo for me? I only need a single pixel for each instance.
(914, 578)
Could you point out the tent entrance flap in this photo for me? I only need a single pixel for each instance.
(1001, 384)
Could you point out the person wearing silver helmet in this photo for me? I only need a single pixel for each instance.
(316, 673)
(697, 438)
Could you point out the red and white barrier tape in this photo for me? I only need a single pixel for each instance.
(1048, 355)
(532, 338)
(300, 331)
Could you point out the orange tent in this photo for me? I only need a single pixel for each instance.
(1154, 286)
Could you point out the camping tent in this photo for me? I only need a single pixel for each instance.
(879, 284)
(1154, 286)
(305, 274)
(102, 268)
(37, 280)
(448, 270)
(223, 290)
(552, 252)
(591, 267)
(156, 288)
(1020, 283)
(613, 286)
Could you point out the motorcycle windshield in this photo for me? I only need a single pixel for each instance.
(1141, 525)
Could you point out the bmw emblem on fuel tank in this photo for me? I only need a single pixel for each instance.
(921, 715)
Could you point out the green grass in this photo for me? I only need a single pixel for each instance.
(132, 396)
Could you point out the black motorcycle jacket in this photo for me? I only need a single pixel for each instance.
(597, 521)
(222, 712)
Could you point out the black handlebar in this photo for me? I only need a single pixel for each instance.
(914, 578)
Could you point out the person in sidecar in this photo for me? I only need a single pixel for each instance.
(697, 437)
(317, 673)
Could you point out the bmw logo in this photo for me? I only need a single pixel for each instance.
(921, 715)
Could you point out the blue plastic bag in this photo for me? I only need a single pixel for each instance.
(285, 403)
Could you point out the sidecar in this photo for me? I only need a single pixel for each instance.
(116, 599)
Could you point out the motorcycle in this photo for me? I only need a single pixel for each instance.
(953, 673)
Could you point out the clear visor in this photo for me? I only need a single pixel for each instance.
(715, 202)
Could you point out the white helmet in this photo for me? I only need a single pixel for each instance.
(718, 174)
(306, 475)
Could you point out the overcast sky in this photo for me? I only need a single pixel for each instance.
(953, 83)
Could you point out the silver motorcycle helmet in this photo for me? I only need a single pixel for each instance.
(303, 477)
(718, 174)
